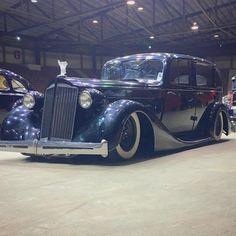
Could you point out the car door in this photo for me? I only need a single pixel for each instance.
(205, 92)
(179, 107)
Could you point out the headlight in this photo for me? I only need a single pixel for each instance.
(85, 100)
(29, 101)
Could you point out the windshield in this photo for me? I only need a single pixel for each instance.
(143, 69)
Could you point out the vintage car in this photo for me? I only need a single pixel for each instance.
(153, 101)
(12, 88)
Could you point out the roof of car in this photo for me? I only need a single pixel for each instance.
(157, 56)
(8, 72)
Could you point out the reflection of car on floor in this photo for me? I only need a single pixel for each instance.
(12, 88)
(157, 101)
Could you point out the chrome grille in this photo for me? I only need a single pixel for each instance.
(59, 116)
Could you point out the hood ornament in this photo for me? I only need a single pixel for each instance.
(63, 65)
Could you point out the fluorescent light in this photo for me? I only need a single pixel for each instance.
(195, 26)
(140, 9)
(130, 2)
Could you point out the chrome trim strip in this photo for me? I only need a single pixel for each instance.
(44, 147)
(11, 94)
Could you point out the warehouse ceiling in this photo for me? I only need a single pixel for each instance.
(115, 25)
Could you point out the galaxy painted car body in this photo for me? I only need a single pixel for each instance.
(157, 101)
(12, 88)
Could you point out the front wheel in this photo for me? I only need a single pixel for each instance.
(217, 130)
(129, 140)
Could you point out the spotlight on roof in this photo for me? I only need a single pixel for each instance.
(195, 26)
(95, 21)
(140, 9)
(18, 38)
(130, 2)
(34, 1)
(151, 37)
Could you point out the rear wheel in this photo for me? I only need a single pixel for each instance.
(130, 139)
(217, 130)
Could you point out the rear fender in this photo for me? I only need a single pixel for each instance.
(21, 124)
(226, 121)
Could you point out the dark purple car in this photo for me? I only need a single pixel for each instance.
(151, 102)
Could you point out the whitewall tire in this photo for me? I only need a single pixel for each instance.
(218, 127)
(130, 138)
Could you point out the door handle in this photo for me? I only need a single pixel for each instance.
(194, 118)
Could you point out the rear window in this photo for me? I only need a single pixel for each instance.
(204, 74)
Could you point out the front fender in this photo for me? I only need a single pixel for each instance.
(21, 124)
(108, 124)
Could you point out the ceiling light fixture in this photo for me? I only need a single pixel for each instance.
(151, 37)
(140, 9)
(149, 47)
(195, 26)
(34, 1)
(18, 38)
(130, 2)
(95, 21)
(216, 35)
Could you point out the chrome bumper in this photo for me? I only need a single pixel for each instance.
(44, 147)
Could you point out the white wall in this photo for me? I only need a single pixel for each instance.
(87, 62)
(222, 62)
(29, 57)
(14, 55)
(1, 54)
(73, 60)
(99, 63)
(234, 62)
(51, 58)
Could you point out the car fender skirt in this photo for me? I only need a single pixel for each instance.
(21, 124)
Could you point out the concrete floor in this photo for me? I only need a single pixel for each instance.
(192, 192)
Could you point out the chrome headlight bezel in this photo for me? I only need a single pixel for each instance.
(29, 101)
(85, 99)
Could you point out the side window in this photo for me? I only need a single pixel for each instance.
(18, 86)
(3, 83)
(217, 78)
(180, 72)
(204, 74)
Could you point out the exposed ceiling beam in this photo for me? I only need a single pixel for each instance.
(177, 19)
(74, 18)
